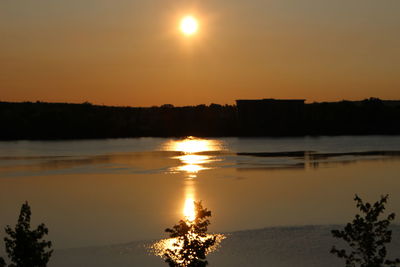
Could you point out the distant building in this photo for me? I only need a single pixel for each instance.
(392, 103)
(271, 116)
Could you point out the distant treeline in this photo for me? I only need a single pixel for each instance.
(75, 121)
(40, 120)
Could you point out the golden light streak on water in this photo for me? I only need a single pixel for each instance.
(191, 169)
(174, 244)
(192, 145)
(189, 210)
(194, 159)
(193, 163)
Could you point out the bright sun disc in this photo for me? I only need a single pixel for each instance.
(189, 25)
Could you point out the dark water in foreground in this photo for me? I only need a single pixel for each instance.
(101, 192)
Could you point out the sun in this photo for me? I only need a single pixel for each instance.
(189, 25)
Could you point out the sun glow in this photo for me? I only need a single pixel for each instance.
(189, 25)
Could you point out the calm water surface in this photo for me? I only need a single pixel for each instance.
(101, 192)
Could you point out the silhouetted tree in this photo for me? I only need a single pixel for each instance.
(24, 246)
(367, 235)
(2, 262)
(192, 241)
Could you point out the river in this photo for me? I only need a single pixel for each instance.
(101, 192)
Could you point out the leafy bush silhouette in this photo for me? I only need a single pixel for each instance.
(2, 262)
(367, 235)
(192, 241)
(24, 246)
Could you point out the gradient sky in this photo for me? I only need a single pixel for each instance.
(131, 53)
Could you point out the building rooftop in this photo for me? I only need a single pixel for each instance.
(269, 100)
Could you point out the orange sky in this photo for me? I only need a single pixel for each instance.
(131, 52)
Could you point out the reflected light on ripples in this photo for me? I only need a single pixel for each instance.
(191, 145)
(193, 163)
(191, 169)
(194, 159)
(175, 244)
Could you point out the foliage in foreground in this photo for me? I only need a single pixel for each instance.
(192, 241)
(24, 246)
(367, 235)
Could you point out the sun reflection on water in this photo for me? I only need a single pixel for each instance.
(189, 209)
(194, 145)
(191, 161)
(175, 244)
(193, 158)
(188, 242)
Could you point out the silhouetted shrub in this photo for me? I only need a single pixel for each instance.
(24, 246)
(367, 235)
(192, 241)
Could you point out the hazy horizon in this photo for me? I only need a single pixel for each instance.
(131, 53)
